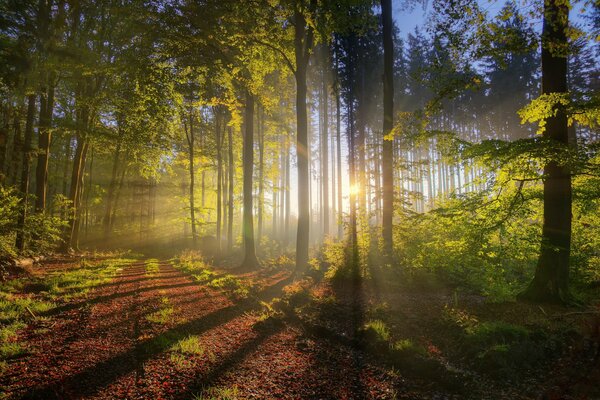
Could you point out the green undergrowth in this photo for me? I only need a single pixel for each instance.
(500, 348)
(219, 393)
(164, 313)
(183, 352)
(233, 287)
(26, 299)
(152, 267)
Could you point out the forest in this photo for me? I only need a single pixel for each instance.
(299, 199)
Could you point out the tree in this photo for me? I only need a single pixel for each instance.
(387, 161)
(551, 280)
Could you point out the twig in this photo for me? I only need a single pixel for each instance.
(31, 312)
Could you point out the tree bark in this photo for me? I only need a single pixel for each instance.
(388, 123)
(25, 170)
(250, 261)
(551, 280)
(324, 143)
(302, 46)
(45, 137)
(111, 187)
(230, 191)
(219, 140)
(261, 172)
(191, 142)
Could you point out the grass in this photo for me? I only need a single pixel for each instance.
(409, 347)
(164, 314)
(189, 345)
(10, 350)
(377, 329)
(152, 267)
(192, 264)
(26, 298)
(184, 350)
(219, 393)
(232, 286)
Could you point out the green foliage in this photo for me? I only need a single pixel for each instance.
(164, 314)
(376, 330)
(41, 232)
(234, 287)
(26, 298)
(189, 345)
(152, 267)
(219, 393)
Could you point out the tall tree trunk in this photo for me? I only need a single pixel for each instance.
(324, 143)
(219, 140)
(250, 260)
(111, 186)
(88, 192)
(338, 138)
(230, 190)
(353, 239)
(118, 194)
(286, 223)
(45, 138)
(261, 172)
(303, 36)
(25, 169)
(75, 193)
(191, 142)
(387, 153)
(551, 280)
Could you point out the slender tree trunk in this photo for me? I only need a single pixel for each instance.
(286, 228)
(89, 192)
(45, 137)
(111, 187)
(118, 194)
(25, 169)
(76, 182)
(551, 280)
(261, 172)
(353, 239)
(339, 162)
(191, 143)
(230, 190)
(250, 260)
(388, 122)
(324, 143)
(219, 140)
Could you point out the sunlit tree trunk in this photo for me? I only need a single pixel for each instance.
(112, 185)
(324, 141)
(190, 136)
(250, 260)
(231, 172)
(303, 42)
(219, 142)
(551, 280)
(261, 171)
(286, 229)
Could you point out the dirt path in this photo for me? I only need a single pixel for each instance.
(160, 335)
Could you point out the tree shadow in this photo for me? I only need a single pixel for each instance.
(91, 379)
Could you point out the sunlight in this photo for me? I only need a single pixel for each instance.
(353, 189)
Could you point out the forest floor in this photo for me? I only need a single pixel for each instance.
(151, 330)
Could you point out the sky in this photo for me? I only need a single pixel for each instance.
(407, 18)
